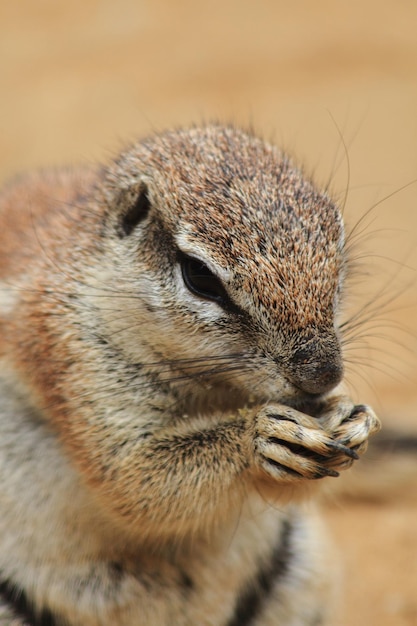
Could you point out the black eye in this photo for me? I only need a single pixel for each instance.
(201, 281)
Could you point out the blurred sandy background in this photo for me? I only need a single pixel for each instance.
(78, 78)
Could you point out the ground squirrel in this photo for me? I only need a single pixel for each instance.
(170, 349)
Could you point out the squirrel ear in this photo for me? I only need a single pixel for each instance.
(136, 212)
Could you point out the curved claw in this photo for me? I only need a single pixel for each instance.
(340, 447)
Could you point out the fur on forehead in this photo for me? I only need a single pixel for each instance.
(221, 179)
(243, 201)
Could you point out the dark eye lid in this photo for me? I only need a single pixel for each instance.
(200, 280)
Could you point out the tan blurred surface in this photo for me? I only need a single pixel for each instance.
(78, 78)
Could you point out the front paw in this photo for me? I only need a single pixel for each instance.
(349, 424)
(290, 446)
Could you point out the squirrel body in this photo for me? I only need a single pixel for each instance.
(170, 360)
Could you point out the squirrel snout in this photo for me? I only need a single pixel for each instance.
(316, 368)
(317, 379)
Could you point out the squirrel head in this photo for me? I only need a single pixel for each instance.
(233, 252)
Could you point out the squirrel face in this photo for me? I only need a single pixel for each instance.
(237, 259)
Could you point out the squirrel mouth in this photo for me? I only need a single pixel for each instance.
(309, 403)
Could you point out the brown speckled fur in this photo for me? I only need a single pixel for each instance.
(156, 445)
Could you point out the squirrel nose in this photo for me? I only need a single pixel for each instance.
(317, 379)
(317, 366)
